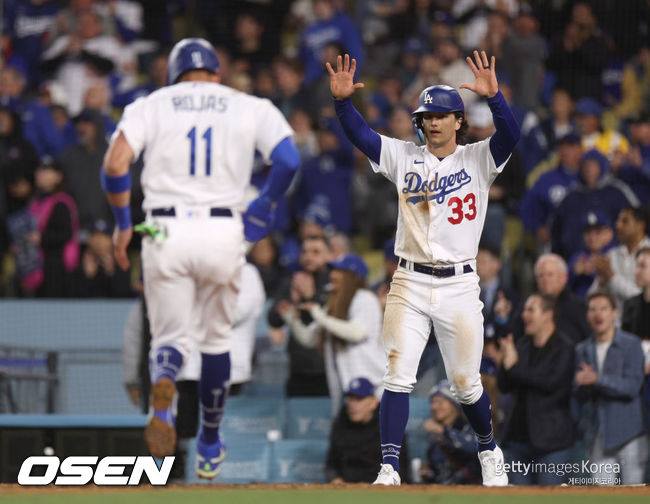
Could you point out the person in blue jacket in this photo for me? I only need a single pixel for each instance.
(38, 125)
(546, 194)
(330, 26)
(595, 189)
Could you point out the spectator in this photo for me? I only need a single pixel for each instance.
(498, 302)
(26, 25)
(247, 47)
(292, 95)
(608, 142)
(560, 123)
(598, 237)
(579, 55)
(609, 376)
(615, 272)
(635, 169)
(57, 225)
(524, 51)
(156, 78)
(542, 200)
(304, 134)
(264, 255)
(595, 188)
(81, 164)
(38, 126)
(552, 278)
(306, 366)
(451, 454)
(348, 329)
(454, 70)
(98, 98)
(84, 55)
(354, 451)
(330, 25)
(327, 178)
(636, 311)
(99, 276)
(538, 371)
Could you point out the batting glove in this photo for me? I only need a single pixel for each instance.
(258, 219)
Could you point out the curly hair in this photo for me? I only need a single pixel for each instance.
(461, 134)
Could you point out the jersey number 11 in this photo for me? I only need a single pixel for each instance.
(207, 136)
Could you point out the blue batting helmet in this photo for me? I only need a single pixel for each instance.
(436, 99)
(191, 54)
(439, 99)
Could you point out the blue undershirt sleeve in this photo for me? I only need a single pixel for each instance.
(357, 130)
(507, 130)
(286, 161)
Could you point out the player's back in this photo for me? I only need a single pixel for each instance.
(199, 141)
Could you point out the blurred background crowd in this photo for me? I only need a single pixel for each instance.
(567, 218)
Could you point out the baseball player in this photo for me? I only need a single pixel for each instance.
(443, 195)
(199, 139)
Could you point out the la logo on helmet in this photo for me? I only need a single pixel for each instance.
(428, 98)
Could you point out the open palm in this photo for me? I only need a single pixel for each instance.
(342, 81)
(485, 83)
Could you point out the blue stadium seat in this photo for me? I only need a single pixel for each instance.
(298, 461)
(253, 416)
(308, 418)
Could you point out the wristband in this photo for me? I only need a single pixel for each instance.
(122, 216)
(115, 185)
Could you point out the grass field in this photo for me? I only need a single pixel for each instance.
(322, 494)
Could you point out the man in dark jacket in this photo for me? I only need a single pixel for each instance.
(538, 371)
(81, 164)
(306, 366)
(552, 276)
(354, 452)
(609, 376)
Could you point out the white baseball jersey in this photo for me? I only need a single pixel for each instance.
(199, 140)
(442, 203)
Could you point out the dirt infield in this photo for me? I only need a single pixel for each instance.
(635, 490)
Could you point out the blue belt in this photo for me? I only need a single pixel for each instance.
(441, 272)
(171, 212)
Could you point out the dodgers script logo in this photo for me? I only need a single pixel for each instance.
(436, 189)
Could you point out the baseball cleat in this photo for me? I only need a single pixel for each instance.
(160, 432)
(209, 458)
(493, 468)
(388, 476)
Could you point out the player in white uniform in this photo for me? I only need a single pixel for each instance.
(199, 139)
(443, 195)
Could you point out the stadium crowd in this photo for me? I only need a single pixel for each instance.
(565, 256)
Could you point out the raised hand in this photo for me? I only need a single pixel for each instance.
(486, 78)
(342, 81)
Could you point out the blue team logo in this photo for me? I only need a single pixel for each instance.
(437, 189)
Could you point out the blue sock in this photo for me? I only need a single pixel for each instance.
(165, 364)
(479, 416)
(213, 391)
(393, 415)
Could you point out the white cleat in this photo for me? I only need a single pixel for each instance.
(493, 468)
(388, 476)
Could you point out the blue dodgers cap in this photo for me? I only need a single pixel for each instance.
(570, 138)
(588, 106)
(439, 99)
(360, 387)
(351, 262)
(596, 218)
(389, 250)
